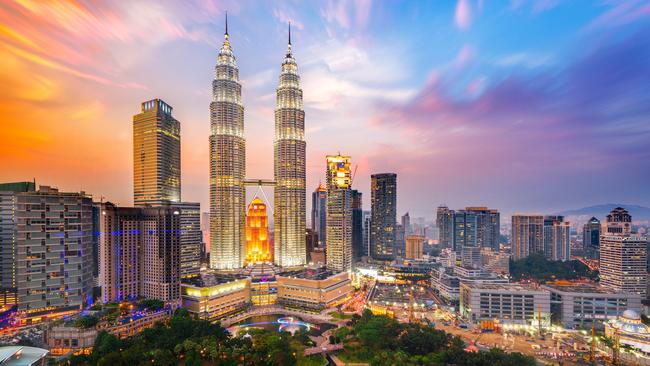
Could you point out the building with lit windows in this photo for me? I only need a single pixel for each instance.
(466, 238)
(445, 224)
(508, 302)
(357, 225)
(258, 246)
(527, 235)
(579, 305)
(591, 238)
(48, 266)
(339, 213)
(383, 208)
(623, 263)
(212, 297)
(618, 222)
(414, 247)
(156, 155)
(313, 289)
(488, 224)
(318, 214)
(227, 164)
(289, 213)
(557, 238)
(190, 237)
(139, 253)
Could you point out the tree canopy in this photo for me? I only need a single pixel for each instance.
(538, 267)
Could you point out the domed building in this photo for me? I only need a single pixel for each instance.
(630, 330)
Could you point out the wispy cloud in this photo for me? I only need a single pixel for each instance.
(463, 14)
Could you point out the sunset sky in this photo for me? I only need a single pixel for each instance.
(528, 106)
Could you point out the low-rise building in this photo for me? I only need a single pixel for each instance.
(313, 289)
(446, 281)
(22, 356)
(509, 303)
(630, 330)
(213, 297)
(578, 305)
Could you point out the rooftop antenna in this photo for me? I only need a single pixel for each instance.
(226, 24)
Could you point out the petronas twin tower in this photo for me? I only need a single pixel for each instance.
(228, 166)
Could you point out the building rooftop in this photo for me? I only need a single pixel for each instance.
(208, 279)
(502, 287)
(309, 273)
(21, 355)
(577, 287)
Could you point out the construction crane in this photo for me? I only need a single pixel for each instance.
(354, 173)
(592, 352)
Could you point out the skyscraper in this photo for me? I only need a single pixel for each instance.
(258, 246)
(47, 255)
(357, 225)
(466, 238)
(366, 219)
(190, 237)
(623, 256)
(289, 158)
(406, 224)
(318, 216)
(227, 164)
(527, 235)
(140, 252)
(156, 155)
(383, 208)
(557, 238)
(591, 238)
(414, 247)
(339, 213)
(623, 263)
(488, 229)
(445, 224)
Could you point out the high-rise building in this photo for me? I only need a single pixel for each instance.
(591, 238)
(140, 250)
(414, 247)
(191, 237)
(466, 238)
(318, 216)
(258, 247)
(618, 222)
(357, 225)
(488, 227)
(527, 235)
(557, 238)
(9, 238)
(623, 263)
(383, 208)
(156, 155)
(227, 164)
(406, 224)
(311, 240)
(400, 241)
(445, 224)
(289, 157)
(623, 256)
(366, 219)
(46, 247)
(339, 213)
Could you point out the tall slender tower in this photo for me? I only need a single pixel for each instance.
(289, 158)
(339, 213)
(156, 155)
(227, 164)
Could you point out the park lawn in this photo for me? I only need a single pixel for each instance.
(339, 315)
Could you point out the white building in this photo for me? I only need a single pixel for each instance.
(623, 263)
(508, 302)
(578, 305)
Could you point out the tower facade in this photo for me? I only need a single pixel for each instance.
(318, 217)
(156, 155)
(258, 248)
(591, 238)
(383, 207)
(527, 235)
(289, 158)
(339, 213)
(445, 224)
(227, 164)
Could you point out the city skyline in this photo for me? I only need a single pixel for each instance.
(527, 103)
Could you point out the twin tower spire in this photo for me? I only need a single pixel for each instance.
(228, 166)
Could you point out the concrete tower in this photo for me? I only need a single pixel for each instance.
(289, 158)
(227, 164)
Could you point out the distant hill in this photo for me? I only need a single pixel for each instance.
(639, 213)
